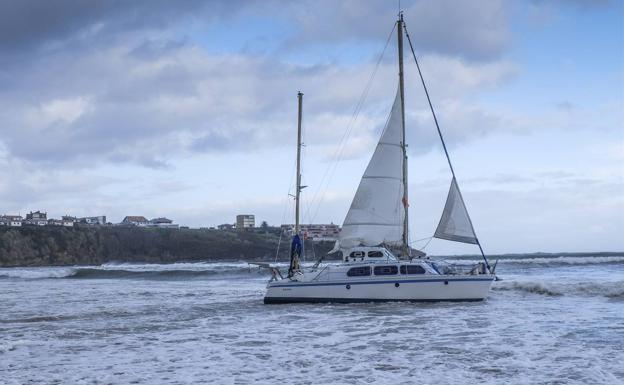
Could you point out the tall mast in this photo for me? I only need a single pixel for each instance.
(298, 188)
(403, 144)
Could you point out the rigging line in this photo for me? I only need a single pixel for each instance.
(420, 240)
(426, 244)
(448, 158)
(331, 169)
(279, 241)
(336, 157)
(286, 206)
(435, 119)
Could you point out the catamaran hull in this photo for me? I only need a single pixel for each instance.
(418, 290)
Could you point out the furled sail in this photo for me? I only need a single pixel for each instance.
(377, 211)
(296, 248)
(455, 224)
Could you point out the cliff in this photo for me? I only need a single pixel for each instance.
(50, 246)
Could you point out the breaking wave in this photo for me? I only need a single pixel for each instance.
(199, 270)
(546, 261)
(613, 289)
(37, 273)
(176, 271)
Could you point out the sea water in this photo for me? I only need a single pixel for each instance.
(548, 321)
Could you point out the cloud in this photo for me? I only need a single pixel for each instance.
(148, 101)
(31, 24)
(116, 82)
(479, 31)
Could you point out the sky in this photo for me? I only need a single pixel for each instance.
(188, 110)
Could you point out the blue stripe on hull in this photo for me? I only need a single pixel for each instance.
(386, 281)
(285, 300)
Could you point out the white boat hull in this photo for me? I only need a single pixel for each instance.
(374, 289)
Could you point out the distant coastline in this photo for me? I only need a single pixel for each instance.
(95, 245)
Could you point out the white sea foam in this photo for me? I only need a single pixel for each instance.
(37, 272)
(555, 261)
(558, 287)
(205, 269)
(130, 270)
(218, 331)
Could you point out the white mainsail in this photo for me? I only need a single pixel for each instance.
(377, 212)
(455, 224)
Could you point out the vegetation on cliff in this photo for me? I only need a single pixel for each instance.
(49, 246)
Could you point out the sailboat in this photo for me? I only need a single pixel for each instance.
(378, 263)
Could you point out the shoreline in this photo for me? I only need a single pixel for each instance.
(96, 245)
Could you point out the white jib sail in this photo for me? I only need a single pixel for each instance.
(455, 223)
(376, 213)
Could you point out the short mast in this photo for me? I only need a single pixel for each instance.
(296, 248)
(298, 188)
(405, 237)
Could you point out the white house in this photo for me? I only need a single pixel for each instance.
(99, 220)
(135, 221)
(12, 220)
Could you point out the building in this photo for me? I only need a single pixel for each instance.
(163, 223)
(316, 232)
(36, 218)
(245, 221)
(13, 220)
(99, 220)
(68, 221)
(135, 221)
(225, 226)
(37, 215)
(55, 222)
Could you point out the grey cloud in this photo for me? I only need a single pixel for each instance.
(28, 24)
(474, 30)
(459, 123)
(131, 108)
(146, 98)
(211, 142)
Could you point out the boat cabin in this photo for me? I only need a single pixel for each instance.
(368, 254)
(391, 269)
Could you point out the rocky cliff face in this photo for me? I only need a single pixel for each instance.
(48, 246)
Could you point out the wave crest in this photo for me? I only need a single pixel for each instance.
(130, 271)
(546, 261)
(613, 290)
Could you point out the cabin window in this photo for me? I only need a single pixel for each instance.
(357, 254)
(386, 270)
(360, 271)
(412, 269)
(375, 254)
